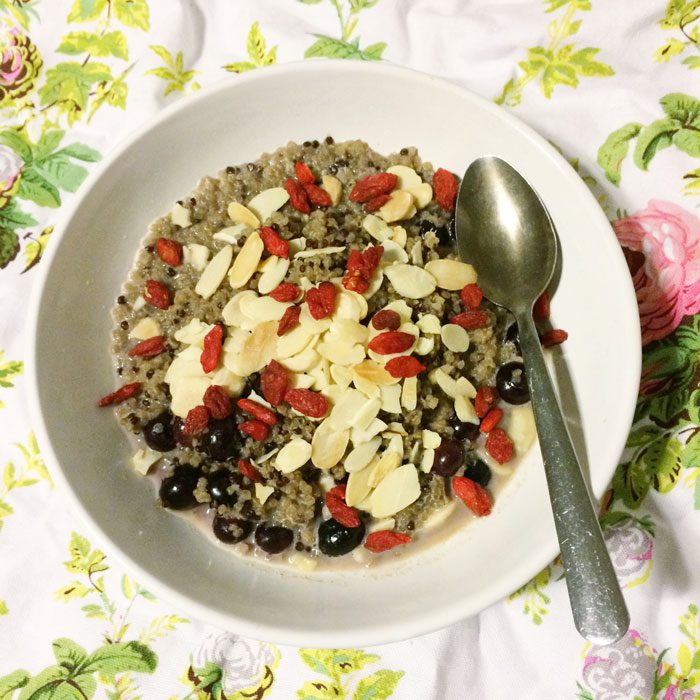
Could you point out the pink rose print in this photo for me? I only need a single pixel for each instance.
(630, 548)
(662, 247)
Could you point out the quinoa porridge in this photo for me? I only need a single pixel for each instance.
(307, 367)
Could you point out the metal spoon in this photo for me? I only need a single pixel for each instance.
(504, 230)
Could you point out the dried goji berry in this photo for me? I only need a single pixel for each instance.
(196, 422)
(308, 402)
(404, 366)
(287, 291)
(274, 382)
(470, 320)
(274, 244)
(377, 202)
(499, 445)
(304, 174)
(169, 251)
(540, 311)
(473, 495)
(255, 429)
(297, 196)
(257, 410)
(491, 420)
(321, 300)
(213, 344)
(355, 282)
(485, 398)
(290, 318)
(217, 400)
(383, 540)
(354, 261)
(121, 394)
(249, 471)
(371, 257)
(554, 337)
(472, 296)
(445, 188)
(157, 294)
(317, 195)
(372, 186)
(390, 342)
(341, 511)
(338, 490)
(386, 320)
(360, 268)
(149, 347)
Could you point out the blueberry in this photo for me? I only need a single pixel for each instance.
(335, 539)
(222, 441)
(218, 485)
(158, 432)
(513, 336)
(478, 471)
(449, 457)
(511, 383)
(176, 491)
(231, 530)
(273, 538)
(468, 432)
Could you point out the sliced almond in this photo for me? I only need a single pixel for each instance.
(361, 455)
(406, 177)
(417, 253)
(366, 387)
(358, 436)
(347, 307)
(314, 326)
(429, 323)
(246, 262)
(374, 372)
(342, 376)
(264, 204)
(301, 562)
(380, 525)
(302, 362)
(196, 255)
(272, 276)
(143, 460)
(398, 207)
(294, 341)
(444, 381)
(388, 461)
(395, 492)
(328, 445)
(376, 227)
(410, 281)
(260, 309)
(366, 414)
(519, 423)
(333, 392)
(180, 216)
(391, 398)
(438, 518)
(186, 393)
(312, 252)
(257, 351)
(321, 374)
(296, 453)
(422, 194)
(240, 214)
(431, 439)
(345, 410)
(395, 443)
(231, 234)
(231, 313)
(146, 328)
(264, 458)
(358, 487)
(464, 386)
(413, 453)
(375, 283)
(262, 492)
(214, 273)
(185, 364)
(454, 337)
(139, 303)
(193, 333)
(402, 309)
(349, 329)
(397, 428)
(333, 186)
(224, 377)
(424, 346)
(341, 352)
(298, 380)
(409, 393)
(393, 253)
(464, 409)
(399, 235)
(296, 244)
(452, 275)
(427, 459)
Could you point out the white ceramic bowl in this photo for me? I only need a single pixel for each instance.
(233, 122)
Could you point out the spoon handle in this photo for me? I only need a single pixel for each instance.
(599, 610)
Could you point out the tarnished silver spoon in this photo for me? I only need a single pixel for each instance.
(504, 230)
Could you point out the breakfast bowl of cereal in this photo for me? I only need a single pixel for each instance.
(263, 375)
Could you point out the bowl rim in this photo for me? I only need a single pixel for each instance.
(422, 622)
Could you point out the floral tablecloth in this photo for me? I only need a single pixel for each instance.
(615, 86)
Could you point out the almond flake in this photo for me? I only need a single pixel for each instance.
(386, 464)
(180, 216)
(374, 372)
(257, 351)
(349, 329)
(139, 303)
(409, 393)
(415, 449)
(186, 393)
(246, 262)
(376, 228)
(333, 186)
(402, 309)
(519, 423)
(429, 323)
(464, 410)
(321, 374)
(399, 235)
(333, 392)
(301, 381)
(395, 492)
(431, 439)
(361, 455)
(367, 413)
(224, 377)
(259, 309)
(444, 381)
(294, 341)
(417, 253)
(143, 460)
(344, 308)
(410, 281)
(264, 204)
(193, 333)
(454, 337)
(231, 234)
(214, 273)
(273, 275)
(375, 283)
(395, 443)
(358, 487)
(406, 177)
(301, 562)
(305, 360)
(296, 453)
(262, 492)
(391, 398)
(393, 253)
(342, 376)
(464, 386)
(341, 352)
(328, 445)
(296, 244)
(397, 428)
(312, 252)
(185, 364)
(398, 207)
(380, 525)
(263, 458)
(367, 387)
(146, 328)
(313, 326)
(424, 346)
(452, 275)
(196, 255)
(427, 460)
(438, 517)
(344, 413)
(358, 436)
(422, 194)
(231, 313)
(240, 214)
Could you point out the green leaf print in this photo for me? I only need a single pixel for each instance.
(3, 611)
(9, 245)
(173, 73)
(557, 63)
(11, 682)
(117, 658)
(86, 10)
(108, 44)
(9, 371)
(84, 559)
(12, 217)
(256, 48)
(378, 686)
(319, 690)
(68, 86)
(535, 600)
(35, 248)
(132, 13)
(69, 654)
(652, 139)
(681, 17)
